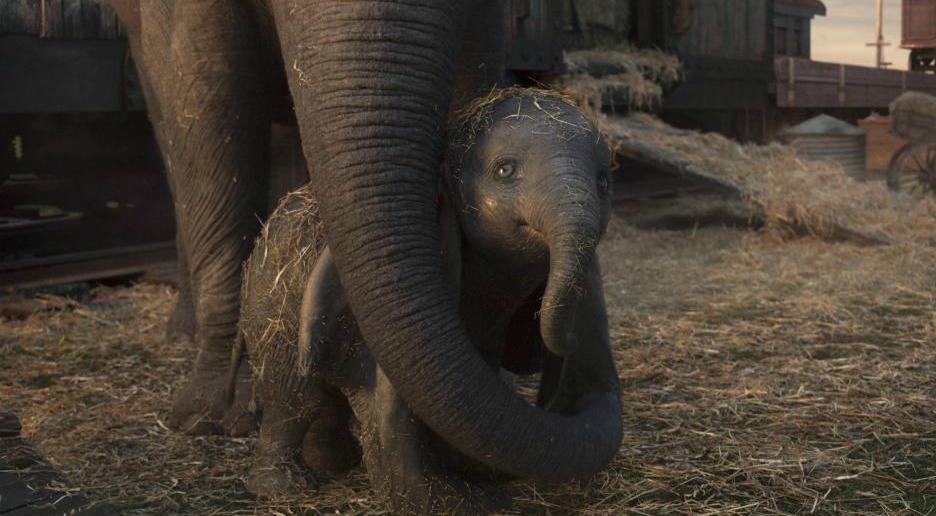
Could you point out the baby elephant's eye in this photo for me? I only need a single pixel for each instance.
(505, 170)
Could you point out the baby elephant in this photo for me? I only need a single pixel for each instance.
(524, 201)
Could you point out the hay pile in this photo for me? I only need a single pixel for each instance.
(913, 115)
(791, 195)
(915, 102)
(474, 118)
(621, 79)
(759, 377)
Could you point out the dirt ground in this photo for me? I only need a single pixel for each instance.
(760, 377)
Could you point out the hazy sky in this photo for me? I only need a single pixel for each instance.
(840, 36)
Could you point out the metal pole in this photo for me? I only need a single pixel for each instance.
(880, 33)
(879, 42)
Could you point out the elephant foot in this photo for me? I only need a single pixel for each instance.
(242, 415)
(181, 326)
(201, 407)
(335, 452)
(278, 475)
(449, 495)
(482, 499)
(408, 468)
(329, 445)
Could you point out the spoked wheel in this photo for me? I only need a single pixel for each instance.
(913, 170)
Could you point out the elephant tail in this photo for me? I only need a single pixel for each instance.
(237, 355)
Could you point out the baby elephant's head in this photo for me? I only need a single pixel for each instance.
(531, 173)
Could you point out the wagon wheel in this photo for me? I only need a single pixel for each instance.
(913, 169)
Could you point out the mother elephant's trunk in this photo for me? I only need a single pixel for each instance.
(372, 81)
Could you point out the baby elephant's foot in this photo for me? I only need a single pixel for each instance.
(451, 496)
(471, 498)
(335, 452)
(328, 444)
(277, 475)
(409, 474)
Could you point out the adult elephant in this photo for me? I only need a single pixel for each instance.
(372, 83)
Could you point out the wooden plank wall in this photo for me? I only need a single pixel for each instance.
(726, 29)
(802, 83)
(20, 16)
(59, 19)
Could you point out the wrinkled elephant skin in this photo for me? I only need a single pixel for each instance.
(526, 172)
(371, 83)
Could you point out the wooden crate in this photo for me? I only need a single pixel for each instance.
(882, 144)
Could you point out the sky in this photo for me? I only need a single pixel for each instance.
(840, 36)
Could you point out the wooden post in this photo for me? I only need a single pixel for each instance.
(841, 86)
(879, 40)
(879, 30)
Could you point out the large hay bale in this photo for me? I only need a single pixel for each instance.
(913, 117)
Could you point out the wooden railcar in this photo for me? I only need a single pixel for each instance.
(749, 69)
(919, 33)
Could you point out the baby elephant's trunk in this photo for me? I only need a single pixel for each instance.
(569, 260)
(572, 228)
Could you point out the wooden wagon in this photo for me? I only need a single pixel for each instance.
(913, 168)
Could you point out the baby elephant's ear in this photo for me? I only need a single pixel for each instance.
(323, 301)
(451, 242)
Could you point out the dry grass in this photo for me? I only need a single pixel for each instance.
(466, 124)
(621, 79)
(913, 117)
(915, 102)
(788, 193)
(774, 378)
(760, 377)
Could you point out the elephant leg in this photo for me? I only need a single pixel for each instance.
(329, 444)
(590, 369)
(277, 469)
(241, 414)
(401, 461)
(181, 325)
(207, 81)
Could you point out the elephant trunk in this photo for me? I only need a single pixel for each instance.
(371, 81)
(571, 221)
(570, 256)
